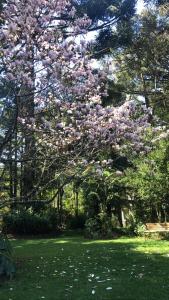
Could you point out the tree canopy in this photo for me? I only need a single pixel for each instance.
(80, 116)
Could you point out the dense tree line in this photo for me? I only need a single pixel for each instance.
(72, 136)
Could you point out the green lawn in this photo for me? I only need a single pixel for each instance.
(78, 269)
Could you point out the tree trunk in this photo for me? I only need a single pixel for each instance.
(119, 216)
(147, 102)
(76, 203)
(27, 111)
(15, 179)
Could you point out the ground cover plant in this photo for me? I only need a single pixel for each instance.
(79, 269)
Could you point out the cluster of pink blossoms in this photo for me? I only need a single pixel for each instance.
(85, 129)
(42, 56)
(41, 50)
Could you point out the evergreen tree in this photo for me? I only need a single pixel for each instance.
(143, 67)
(111, 21)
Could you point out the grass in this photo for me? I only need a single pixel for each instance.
(72, 268)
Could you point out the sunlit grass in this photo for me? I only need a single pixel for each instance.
(74, 268)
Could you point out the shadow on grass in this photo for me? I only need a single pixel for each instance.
(133, 268)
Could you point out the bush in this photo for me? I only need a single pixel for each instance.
(106, 225)
(99, 227)
(140, 229)
(92, 228)
(51, 215)
(76, 222)
(123, 231)
(25, 222)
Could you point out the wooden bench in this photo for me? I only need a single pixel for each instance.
(157, 227)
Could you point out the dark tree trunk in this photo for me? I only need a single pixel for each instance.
(11, 170)
(76, 203)
(154, 215)
(119, 216)
(27, 111)
(15, 179)
(60, 204)
(109, 209)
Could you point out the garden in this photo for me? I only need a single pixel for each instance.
(84, 149)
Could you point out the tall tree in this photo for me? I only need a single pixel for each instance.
(57, 94)
(143, 67)
(111, 22)
(33, 38)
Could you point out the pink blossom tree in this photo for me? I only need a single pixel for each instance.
(57, 93)
(42, 58)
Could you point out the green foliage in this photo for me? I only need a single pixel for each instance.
(149, 185)
(92, 204)
(156, 2)
(107, 9)
(76, 221)
(140, 229)
(7, 267)
(92, 228)
(99, 227)
(143, 66)
(109, 12)
(106, 225)
(25, 222)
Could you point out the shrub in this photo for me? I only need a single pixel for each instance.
(51, 215)
(76, 221)
(106, 225)
(25, 222)
(92, 228)
(99, 227)
(139, 229)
